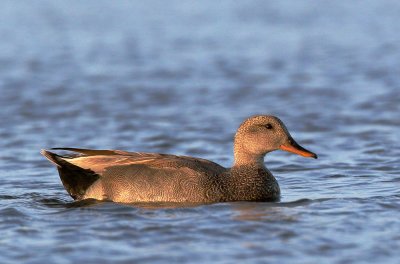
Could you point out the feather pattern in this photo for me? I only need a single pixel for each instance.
(123, 176)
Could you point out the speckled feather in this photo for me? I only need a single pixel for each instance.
(127, 177)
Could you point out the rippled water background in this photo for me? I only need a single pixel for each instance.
(179, 77)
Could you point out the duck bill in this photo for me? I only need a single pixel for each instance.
(292, 146)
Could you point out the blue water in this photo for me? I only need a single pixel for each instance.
(179, 77)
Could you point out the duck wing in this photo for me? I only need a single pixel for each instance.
(140, 176)
(98, 160)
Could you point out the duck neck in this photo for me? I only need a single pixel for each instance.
(250, 180)
(243, 158)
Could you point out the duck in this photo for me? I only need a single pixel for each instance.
(140, 177)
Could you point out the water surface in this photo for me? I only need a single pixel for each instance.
(179, 78)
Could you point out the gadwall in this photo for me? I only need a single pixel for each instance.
(129, 177)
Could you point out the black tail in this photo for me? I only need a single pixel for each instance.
(76, 180)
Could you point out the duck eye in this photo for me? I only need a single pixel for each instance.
(268, 126)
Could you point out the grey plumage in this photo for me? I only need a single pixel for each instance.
(123, 176)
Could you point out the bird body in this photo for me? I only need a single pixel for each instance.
(129, 177)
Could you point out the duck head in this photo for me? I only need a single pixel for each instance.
(261, 134)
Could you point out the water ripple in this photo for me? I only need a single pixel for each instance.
(180, 79)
